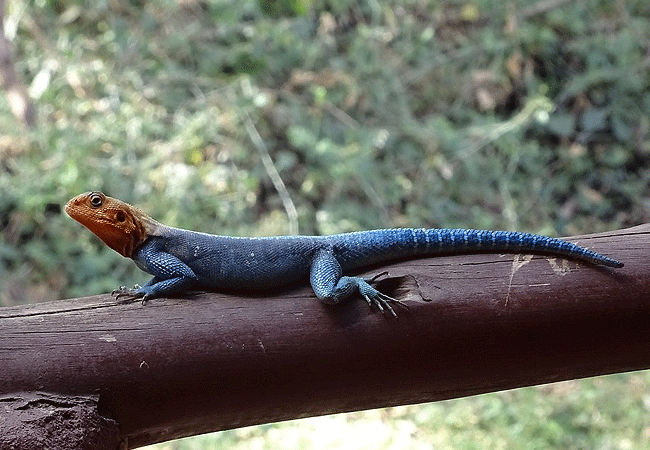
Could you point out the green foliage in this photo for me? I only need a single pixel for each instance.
(374, 115)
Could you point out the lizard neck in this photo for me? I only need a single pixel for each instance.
(121, 226)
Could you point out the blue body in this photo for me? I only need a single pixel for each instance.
(180, 259)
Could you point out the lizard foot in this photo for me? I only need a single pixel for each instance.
(130, 294)
(377, 298)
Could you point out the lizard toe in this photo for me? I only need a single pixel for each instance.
(123, 291)
(379, 299)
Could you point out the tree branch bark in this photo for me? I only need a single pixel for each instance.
(475, 323)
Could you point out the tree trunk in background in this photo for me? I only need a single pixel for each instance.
(17, 97)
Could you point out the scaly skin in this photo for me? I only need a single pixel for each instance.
(180, 260)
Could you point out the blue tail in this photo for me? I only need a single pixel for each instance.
(369, 247)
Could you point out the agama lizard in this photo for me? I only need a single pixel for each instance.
(180, 259)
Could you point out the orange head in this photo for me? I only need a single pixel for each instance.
(121, 226)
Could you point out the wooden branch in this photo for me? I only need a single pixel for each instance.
(178, 367)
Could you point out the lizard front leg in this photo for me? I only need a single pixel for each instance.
(170, 275)
(331, 287)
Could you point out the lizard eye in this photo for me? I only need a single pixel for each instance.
(96, 200)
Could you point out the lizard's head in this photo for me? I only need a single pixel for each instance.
(121, 226)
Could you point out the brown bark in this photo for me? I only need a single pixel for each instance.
(33, 421)
(178, 367)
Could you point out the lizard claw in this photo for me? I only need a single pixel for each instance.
(379, 299)
(119, 291)
(134, 294)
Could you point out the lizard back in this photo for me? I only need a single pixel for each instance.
(262, 262)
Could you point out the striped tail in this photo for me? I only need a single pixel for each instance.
(380, 245)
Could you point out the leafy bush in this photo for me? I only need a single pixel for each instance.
(374, 115)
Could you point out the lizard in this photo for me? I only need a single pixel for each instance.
(182, 260)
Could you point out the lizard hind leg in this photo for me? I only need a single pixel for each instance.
(331, 287)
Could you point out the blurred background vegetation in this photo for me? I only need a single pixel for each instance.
(272, 117)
